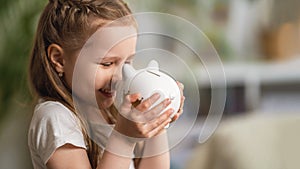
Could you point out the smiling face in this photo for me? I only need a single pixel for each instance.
(93, 74)
(109, 71)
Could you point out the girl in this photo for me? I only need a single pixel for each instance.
(59, 136)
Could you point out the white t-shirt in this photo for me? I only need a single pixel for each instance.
(52, 126)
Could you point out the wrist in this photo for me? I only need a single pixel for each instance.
(156, 145)
(120, 145)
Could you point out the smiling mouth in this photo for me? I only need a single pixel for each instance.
(107, 92)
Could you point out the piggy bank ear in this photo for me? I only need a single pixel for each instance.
(153, 64)
(128, 71)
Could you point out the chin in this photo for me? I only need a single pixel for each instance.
(104, 104)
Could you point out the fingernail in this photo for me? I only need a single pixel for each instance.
(167, 102)
(182, 86)
(156, 96)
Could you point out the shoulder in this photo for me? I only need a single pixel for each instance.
(53, 117)
(52, 126)
(53, 113)
(50, 109)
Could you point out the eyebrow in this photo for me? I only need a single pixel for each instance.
(116, 56)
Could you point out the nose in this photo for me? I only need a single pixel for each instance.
(117, 76)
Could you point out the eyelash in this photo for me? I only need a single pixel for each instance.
(106, 64)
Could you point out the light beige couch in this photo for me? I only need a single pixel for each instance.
(254, 141)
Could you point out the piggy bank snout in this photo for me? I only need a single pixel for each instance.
(163, 84)
(147, 82)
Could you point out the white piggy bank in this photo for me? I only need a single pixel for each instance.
(148, 81)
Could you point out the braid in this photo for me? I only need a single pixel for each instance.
(75, 6)
(100, 8)
(72, 16)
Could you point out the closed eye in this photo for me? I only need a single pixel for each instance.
(106, 64)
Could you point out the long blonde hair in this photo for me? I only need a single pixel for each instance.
(68, 23)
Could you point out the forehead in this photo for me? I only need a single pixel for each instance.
(109, 36)
(121, 39)
(123, 48)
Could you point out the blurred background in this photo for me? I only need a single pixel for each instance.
(258, 42)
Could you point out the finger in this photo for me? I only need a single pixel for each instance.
(181, 87)
(175, 117)
(146, 104)
(161, 126)
(180, 110)
(160, 120)
(134, 97)
(155, 111)
(128, 100)
(158, 129)
(182, 99)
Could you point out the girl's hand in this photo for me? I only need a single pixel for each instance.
(139, 122)
(180, 111)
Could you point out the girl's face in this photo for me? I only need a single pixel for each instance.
(93, 74)
(109, 71)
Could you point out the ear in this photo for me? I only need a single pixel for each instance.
(55, 54)
(153, 64)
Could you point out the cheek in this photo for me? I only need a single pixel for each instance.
(83, 79)
(102, 79)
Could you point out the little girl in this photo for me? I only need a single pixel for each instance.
(59, 136)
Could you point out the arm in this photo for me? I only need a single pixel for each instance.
(137, 126)
(119, 151)
(134, 126)
(159, 145)
(72, 157)
(159, 161)
(69, 156)
(156, 153)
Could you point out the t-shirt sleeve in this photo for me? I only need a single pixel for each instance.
(55, 126)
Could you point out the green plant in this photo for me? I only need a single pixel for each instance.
(18, 23)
